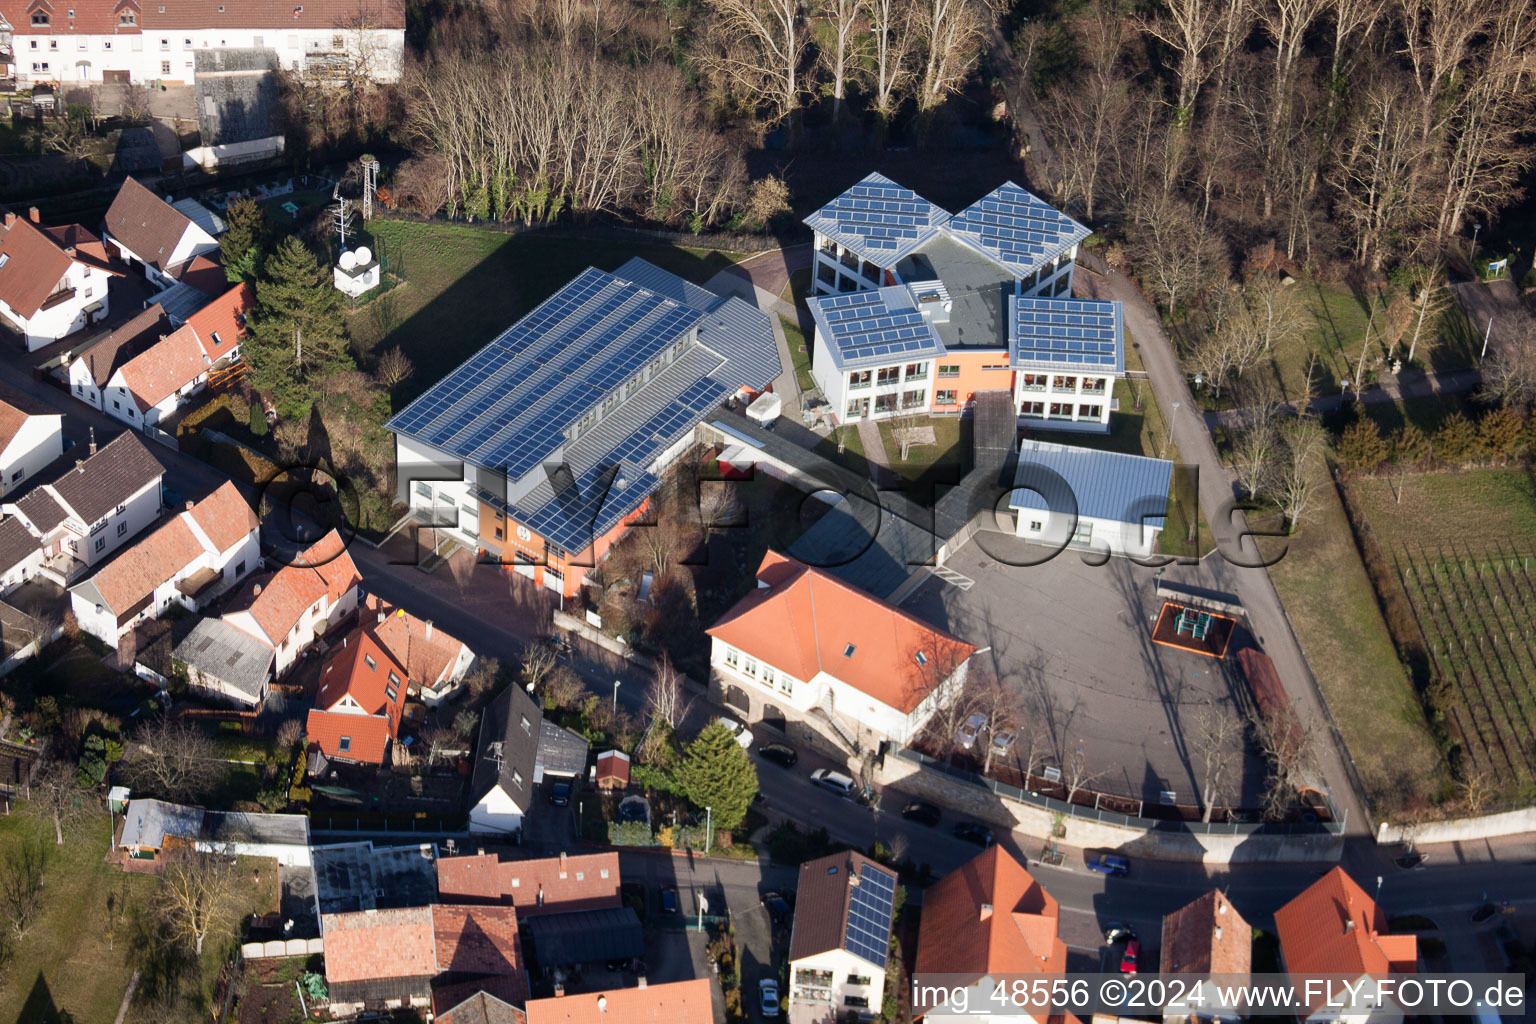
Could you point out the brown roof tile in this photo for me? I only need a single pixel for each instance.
(144, 330)
(136, 571)
(477, 940)
(676, 1002)
(821, 902)
(225, 516)
(41, 510)
(587, 881)
(164, 368)
(16, 542)
(34, 263)
(147, 225)
(990, 917)
(1207, 936)
(372, 944)
(108, 478)
(478, 1002)
(15, 406)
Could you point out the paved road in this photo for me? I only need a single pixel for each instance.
(1253, 586)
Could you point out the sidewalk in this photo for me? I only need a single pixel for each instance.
(1404, 386)
(760, 280)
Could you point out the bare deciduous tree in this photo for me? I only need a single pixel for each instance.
(538, 659)
(951, 32)
(197, 896)
(758, 45)
(21, 884)
(1087, 118)
(1075, 776)
(1254, 452)
(56, 796)
(480, 679)
(1287, 748)
(394, 368)
(666, 697)
(1509, 372)
(1296, 475)
(1430, 297)
(288, 733)
(173, 759)
(844, 48)
(893, 52)
(1375, 173)
(564, 688)
(1180, 259)
(1216, 741)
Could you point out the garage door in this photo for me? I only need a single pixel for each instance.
(115, 77)
(554, 579)
(524, 568)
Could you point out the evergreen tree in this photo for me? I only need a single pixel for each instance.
(1500, 432)
(1456, 442)
(1361, 446)
(716, 773)
(243, 245)
(297, 334)
(1410, 446)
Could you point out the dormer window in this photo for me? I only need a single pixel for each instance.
(215, 337)
(40, 19)
(527, 726)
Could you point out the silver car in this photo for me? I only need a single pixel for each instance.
(966, 737)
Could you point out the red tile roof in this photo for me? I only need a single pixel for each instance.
(366, 673)
(1333, 927)
(374, 944)
(676, 1002)
(148, 226)
(202, 273)
(368, 736)
(613, 768)
(16, 407)
(477, 940)
(483, 1001)
(66, 235)
(324, 570)
(990, 917)
(1207, 936)
(35, 262)
(126, 341)
(135, 573)
(225, 516)
(164, 368)
(221, 324)
(567, 883)
(805, 621)
(429, 659)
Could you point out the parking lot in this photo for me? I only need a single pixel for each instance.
(1074, 643)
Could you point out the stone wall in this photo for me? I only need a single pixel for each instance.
(983, 804)
(1489, 826)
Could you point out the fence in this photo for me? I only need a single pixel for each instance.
(1052, 805)
(722, 241)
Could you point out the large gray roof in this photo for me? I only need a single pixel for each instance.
(879, 219)
(228, 654)
(1103, 485)
(148, 822)
(586, 936)
(561, 751)
(240, 827)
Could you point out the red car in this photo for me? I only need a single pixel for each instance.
(1128, 961)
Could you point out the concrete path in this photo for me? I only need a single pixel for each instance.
(880, 470)
(1253, 586)
(1404, 386)
(753, 281)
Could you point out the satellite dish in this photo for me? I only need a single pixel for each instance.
(348, 260)
(364, 255)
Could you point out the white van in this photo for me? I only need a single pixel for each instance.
(837, 782)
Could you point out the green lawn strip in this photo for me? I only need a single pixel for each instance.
(852, 455)
(952, 440)
(78, 953)
(463, 286)
(799, 354)
(1331, 603)
(1478, 509)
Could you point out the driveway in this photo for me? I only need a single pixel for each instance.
(1252, 586)
(1075, 641)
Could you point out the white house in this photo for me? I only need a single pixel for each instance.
(187, 560)
(303, 600)
(90, 369)
(805, 645)
(31, 437)
(841, 939)
(84, 516)
(148, 824)
(918, 311)
(144, 42)
(152, 236)
(1093, 500)
(53, 281)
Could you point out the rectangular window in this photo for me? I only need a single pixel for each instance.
(732, 657)
(18, 475)
(1084, 532)
(165, 67)
(1093, 385)
(122, 528)
(858, 979)
(240, 568)
(856, 407)
(368, 660)
(1062, 284)
(127, 18)
(859, 379)
(1061, 408)
(258, 42)
(750, 668)
(944, 397)
(862, 1002)
(423, 490)
(912, 399)
(39, 19)
(393, 677)
(344, 744)
(1034, 382)
(786, 683)
(767, 676)
(1031, 408)
(1063, 383)
(887, 375)
(165, 44)
(499, 533)
(53, 44)
(391, 692)
(949, 369)
(106, 44)
(885, 403)
(916, 371)
(101, 542)
(1093, 411)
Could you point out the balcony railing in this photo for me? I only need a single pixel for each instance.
(57, 298)
(1031, 387)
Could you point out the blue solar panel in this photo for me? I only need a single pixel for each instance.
(879, 218)
(861, 326)
(1017, 228)
(869, 916)
(1082, 334)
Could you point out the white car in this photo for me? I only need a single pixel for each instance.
(768, 992)
(740, 733)
(966, 737)
(835, 781)
(1003, 740)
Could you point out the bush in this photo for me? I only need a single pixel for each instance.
(258, 420)
(1361, 446)
(631, 833)
(1456, 442)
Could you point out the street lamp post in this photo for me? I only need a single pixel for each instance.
(615, 698)
(1171, 420)
(709, 828)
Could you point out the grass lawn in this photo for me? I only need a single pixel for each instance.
(1478, 509)
(852, 456)
(942, 462)
(1331, 602)
(462, 286)
(799, 354)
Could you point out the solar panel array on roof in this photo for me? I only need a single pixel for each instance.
(1076, 334)
(1017, 228)
(879, 218)
(869, 915)
(864, 327)
(508, 404)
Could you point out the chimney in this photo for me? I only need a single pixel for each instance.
(381, 615)
(70, 251)
(1349, 925)
(602, 1004)
(559, 990)
(93, 440)
(640, 981)
(79, 465)
(429, 629)
(986, 911)
(190, 503)
(562, 863)
(10, 218)
(37, 218)
(256, 590)
(1218, 933)
(541, 894)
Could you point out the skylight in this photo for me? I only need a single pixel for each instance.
(848, 651)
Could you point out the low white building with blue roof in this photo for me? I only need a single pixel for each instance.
(541, 448)
(1092, 500)
(918, 310)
